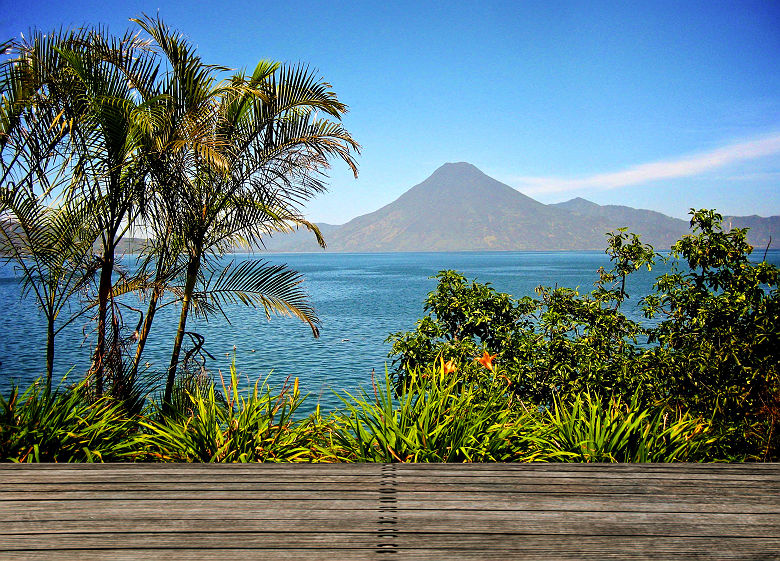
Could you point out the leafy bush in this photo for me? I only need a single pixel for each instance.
(463, 320)
(62, 427)
(717, 351)
(714, 353)
(434, 418)
(233, 427)
(557, 344)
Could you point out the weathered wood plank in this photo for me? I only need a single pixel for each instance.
(463, 517)
(30, 510)
(12, 473)
(619, 552)
(438, 483)
(168, 468)
(292, 554)
(608, 475)
(331, 492)
(745, 471)
(373, 511)
(356, 522)
(226, 511)
(493, 466)
(520, 523)
(187, 539)
(342, 499)
(600, 503)
(200, 478)
(247, 494)
(444, 542)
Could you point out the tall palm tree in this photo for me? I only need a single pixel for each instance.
(269, 150)
(87, 85)
(32, 129)
(52, 245)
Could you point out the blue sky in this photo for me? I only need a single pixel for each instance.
(659, 105)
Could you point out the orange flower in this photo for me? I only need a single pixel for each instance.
(486, 360)
(450, 367)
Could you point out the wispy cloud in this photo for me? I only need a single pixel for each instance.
(644, 173)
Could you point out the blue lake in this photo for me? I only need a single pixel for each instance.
(359, 298)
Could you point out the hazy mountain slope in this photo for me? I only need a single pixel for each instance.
(300, 240)
(762, 230)
(657, 229)
(460, 208)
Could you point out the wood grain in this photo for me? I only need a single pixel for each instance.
(392, 511)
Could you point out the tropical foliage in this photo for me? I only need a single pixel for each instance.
(435, 418)
(712, 356)
(52, 248)
(63, 426)
(102, 136)
(230, 426)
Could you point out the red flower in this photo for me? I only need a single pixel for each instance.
(450, 367)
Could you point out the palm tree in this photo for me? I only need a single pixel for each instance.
(31, 129)
(267, 157)
(87, 85)
(203, 164)
(52, 245)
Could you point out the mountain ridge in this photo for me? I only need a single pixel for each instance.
(459, 208)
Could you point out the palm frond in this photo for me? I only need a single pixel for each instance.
(275, 288)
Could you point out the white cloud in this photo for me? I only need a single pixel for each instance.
(644, 173)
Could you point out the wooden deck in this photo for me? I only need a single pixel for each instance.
(375, 511)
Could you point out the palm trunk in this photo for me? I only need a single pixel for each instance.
(157, 293)
(49, 353)
(147, 327)
(192, 274)
(104, 291)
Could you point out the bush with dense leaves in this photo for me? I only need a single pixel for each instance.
(713, 352)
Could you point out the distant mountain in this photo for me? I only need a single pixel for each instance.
(657, 229)
(764, 232)
(459, 208)
(128, 245)
(300, 240)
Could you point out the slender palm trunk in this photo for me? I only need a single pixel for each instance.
(49, 353)
(157, 293)
(192, 274)
(147, 327)
(104, 291)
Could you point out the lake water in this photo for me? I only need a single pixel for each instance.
(359, 298)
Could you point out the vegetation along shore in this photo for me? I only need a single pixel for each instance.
(106, 139)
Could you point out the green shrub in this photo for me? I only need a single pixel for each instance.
(557, 344)
(586, 429)
(717, 344)
(435, 416)
(714, 352)
(63, 426)
(255, 426)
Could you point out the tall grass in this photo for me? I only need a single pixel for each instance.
(436, 416)
(433, 418)
(587, 429)
(235, 426)
(63, 426)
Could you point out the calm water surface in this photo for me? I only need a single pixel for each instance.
(359, 298)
